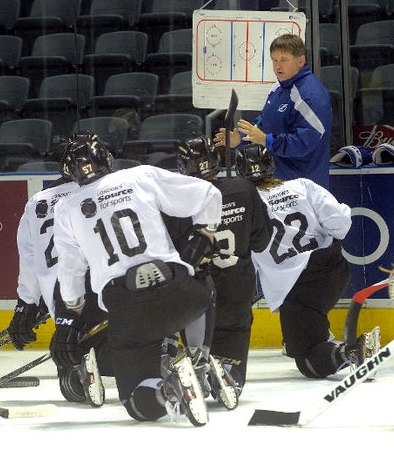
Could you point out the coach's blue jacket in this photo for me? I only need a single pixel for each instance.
(297, 119)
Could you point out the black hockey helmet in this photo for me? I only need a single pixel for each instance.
(198, 157)
(85, 158)
(254, 162)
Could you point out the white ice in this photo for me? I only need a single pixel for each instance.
(363, 418)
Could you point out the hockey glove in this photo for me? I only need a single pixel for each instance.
(199, 250)
(22, 323)
(64, 347)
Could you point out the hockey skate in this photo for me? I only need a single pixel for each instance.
(201, 367)
(372, 347)
(91, 379)
(223, 386)
(182, 390)
(372, 342)
(356, 353)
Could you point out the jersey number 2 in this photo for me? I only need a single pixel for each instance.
(297, 246)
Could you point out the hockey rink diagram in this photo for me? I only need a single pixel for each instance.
(238, 50)
(231, 51)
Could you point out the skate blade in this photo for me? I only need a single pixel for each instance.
(195, 406)
(94, 390)
(227, 395)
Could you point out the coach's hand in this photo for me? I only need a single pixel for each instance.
(64, 347)
(252, 132)
(220, 138)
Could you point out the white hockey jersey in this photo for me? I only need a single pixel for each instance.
(305, 217)
(37, 255)
(115, 223)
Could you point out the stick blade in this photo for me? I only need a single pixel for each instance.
(276, 418)
(28, 411)
(232, 107)
(21, 382)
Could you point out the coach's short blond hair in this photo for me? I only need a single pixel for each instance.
(289, 43)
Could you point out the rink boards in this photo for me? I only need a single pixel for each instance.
(369, 245)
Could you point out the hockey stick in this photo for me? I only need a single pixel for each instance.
(259, 296)
(390, 279)
(303, 418)
(21, 382)
(4, 332)
(6, 378)
(362, 295)
(28, 411)
(5, 341)
(229, 125)
(350, 329)
(42, 319)
(15, 373)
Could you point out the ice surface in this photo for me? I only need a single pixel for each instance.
(363, 418)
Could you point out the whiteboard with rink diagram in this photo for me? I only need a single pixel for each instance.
(231, 51)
